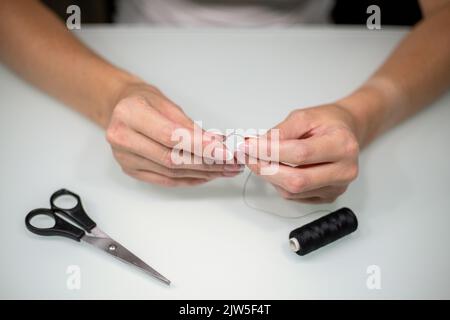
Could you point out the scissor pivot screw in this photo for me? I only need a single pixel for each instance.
(112, 247)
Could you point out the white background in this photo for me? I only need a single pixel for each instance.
(205, 239)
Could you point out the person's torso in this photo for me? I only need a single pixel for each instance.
(223, 13)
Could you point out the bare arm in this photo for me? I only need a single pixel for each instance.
(37, 46)
(138, 118)
(324, 141)
(415, 74)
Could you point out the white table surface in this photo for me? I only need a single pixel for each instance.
(205, 239)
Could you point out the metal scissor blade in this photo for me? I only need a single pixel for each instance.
(120, 252)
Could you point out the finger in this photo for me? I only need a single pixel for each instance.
(153, 124)
(296, 125)
(161, 180)
(135, 162)
(297, 180)
(171, 110)
(328, 192)
(210, 138)
(290, 196)
(309, 200)
(313, 150)
(185, 160)
(297, 152)
(176, 114)
(314, 200)
(134, 142)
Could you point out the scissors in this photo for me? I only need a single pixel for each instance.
(91, 233)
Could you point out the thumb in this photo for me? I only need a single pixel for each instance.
(295, 126)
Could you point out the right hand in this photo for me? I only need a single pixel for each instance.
(140, 132)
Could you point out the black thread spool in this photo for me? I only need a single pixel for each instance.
(323, 231)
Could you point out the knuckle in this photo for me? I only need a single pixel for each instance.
(352, 147)
(292, 114)
(120, 157)
(140, 101)
(167, 135)
(116, 134)
(296, 113)
(127, 104)
(167, 159)
(348, 140)
(353, 172)
(296, 184)
(340, 132)
(111, 134)
(121, 110)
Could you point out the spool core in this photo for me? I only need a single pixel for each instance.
(294, 245)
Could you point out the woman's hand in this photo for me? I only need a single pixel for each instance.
(320, 145)
(140, 133)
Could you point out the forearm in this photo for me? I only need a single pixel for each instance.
(415, 74)
(38, 47)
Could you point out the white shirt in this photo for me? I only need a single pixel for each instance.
(223, 13)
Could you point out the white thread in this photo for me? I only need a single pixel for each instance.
(248, 204)
(247, 179)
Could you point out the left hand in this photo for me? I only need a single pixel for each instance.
(321, 143)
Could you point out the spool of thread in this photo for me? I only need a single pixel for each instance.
(323, 231)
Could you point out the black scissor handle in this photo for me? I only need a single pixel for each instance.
(61, 228)
(77, 213)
